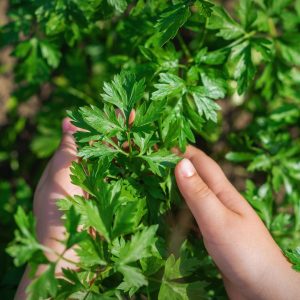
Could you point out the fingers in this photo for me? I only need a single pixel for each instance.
(214, 177)
(209, 212)
(59, 166)
(56, 184)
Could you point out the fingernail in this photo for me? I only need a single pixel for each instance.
(67, 126)
(186, 167)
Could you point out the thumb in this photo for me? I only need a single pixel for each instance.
(208, 210)
(66, 153)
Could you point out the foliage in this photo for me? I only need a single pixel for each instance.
(175, 60)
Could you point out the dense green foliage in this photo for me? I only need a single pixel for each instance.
(175, 61)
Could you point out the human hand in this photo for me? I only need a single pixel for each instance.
(54, 184)
(251, 263)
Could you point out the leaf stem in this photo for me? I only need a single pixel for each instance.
(240, 40)
(184, 47)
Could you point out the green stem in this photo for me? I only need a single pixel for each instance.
(240, 40)
(272, 28)
(129, 142)
(184, 47)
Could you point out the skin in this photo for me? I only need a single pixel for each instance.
(251, 263)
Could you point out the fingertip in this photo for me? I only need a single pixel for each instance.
(67, 126)
(185, 168)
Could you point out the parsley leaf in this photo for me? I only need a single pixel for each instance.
(170, 20)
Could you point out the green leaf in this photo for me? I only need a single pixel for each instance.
(247, 13)
(137, 248)
(147, 115)
(214, 83)
(160, 161)
(71, 224)
(103, 123)
(90, 253)
(290, 52)
(239, 156)
(169, 85)
(133, 279)
(88, 176)
(44, 285)
(179, 269)
(170, 20)
(128, 216)
(204, 8)
(244, 69)
(97, 150)
(50, 53)
(216, 57)
(96, 218)
(123, 92)
(204, 104)
(228, 28)
(25, 245)
(119, 5)
(182, 291)
(294, 257)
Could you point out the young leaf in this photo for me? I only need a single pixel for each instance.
(123, 92)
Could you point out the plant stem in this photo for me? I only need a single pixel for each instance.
(184, 47)
(129, 142)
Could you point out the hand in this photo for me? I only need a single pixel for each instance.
(54, 184)
(251, 263)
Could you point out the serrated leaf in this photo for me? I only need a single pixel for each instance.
(133, 279)
(25, 244)
(178, 269)
(213, 82)
(97, 150)
(160, 161)
(204, 7)
(102, 123)
(90, 253)
(228, 28)
(43, 286)
(247, 13)
(123, 92)
(204, 104)
(294, 257)
(216, 57)
(135, 249)
(244, 69)
(169, 85)
(170, 20)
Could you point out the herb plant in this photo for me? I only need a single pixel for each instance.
(176, 60)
